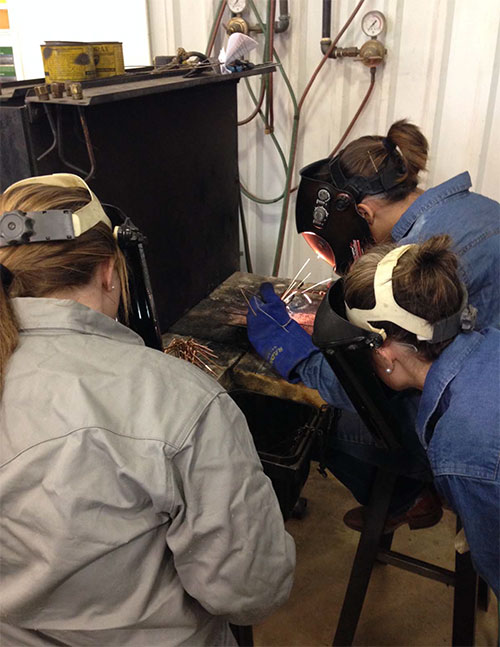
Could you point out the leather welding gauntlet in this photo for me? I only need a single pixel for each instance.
(275, 335)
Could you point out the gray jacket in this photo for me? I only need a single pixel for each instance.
(134, 507)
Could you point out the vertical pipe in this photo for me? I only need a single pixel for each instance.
(327, 18)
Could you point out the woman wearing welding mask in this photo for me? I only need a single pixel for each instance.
(369, 193)
(134, 507)
(400, 296)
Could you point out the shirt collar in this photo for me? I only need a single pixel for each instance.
(441, 373)
(35, 315)
(427, 200)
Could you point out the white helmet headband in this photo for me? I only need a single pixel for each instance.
(386, 308)
(84, 218)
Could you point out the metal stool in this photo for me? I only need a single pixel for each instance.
(374, 545)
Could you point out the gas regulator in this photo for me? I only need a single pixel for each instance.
(371, 53)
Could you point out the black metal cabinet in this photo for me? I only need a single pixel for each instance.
(165, 151)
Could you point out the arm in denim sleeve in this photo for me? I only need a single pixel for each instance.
(476, 501)
(316, 373)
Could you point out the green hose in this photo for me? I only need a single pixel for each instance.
(293, 143)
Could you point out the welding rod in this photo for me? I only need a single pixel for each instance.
(316, 285)
(248, 302)
(294, 279)
(295, 289)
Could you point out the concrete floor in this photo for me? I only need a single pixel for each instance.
(401, 608)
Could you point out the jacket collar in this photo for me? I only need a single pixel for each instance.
(443, 370)
(65, 316)
(429, 199)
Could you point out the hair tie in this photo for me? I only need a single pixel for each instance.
(389, 145)
(6, 276)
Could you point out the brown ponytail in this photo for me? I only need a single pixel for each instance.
(425, 282)
(42, 269)
(367, 155)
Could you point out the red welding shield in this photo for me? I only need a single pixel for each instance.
(327, 217)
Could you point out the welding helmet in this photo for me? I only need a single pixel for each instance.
(19, 227)
(348, 350)
(326, 211)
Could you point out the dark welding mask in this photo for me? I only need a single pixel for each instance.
(326, 210)
(20, 227)
(348, 350)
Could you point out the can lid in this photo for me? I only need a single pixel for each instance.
(65, 42)
(105, 42)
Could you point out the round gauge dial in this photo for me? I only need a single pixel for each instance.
(373, 23)
(237, 6)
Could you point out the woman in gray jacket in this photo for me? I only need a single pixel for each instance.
(134, 507)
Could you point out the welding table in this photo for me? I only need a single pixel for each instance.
(219, 322)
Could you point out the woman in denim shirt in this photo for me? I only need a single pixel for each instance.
(458, 420)
(403, 214)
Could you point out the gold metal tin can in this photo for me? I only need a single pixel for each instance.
(68, 62)
(108, 58)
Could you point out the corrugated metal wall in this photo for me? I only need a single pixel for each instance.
(441, 72)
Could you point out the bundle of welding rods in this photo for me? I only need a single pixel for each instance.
(294, 288)
(194, 352)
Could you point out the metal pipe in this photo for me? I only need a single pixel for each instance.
(60, 148)
(283, 21)
(88, 143)
(280, 25)
(53, 130)
(327, 18)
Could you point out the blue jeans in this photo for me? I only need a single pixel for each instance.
(353, 455)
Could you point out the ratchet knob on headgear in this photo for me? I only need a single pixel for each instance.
(15, 227)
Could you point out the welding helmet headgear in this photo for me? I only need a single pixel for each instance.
(326, 211)
(19, 227)
(339, 324)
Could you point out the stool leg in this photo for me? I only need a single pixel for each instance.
(386, 541)
(366, 554)
(465, 600)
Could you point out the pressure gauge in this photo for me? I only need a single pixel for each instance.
(237, 6)
(373, 23)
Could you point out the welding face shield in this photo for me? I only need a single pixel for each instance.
(348, 350)
(326, 211)
(19, 227)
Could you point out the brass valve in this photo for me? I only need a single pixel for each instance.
(372, 53)
(237, 24)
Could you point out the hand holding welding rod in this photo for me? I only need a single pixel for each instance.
(275, 335)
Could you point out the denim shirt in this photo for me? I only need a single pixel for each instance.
(458, 423)
(473, 222)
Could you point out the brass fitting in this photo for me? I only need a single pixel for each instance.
(42, 92)
(57, 90)
(372, 53)
(237, 24)
(343, 52)
(76, 91)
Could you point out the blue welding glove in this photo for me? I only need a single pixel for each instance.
(275, 335)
